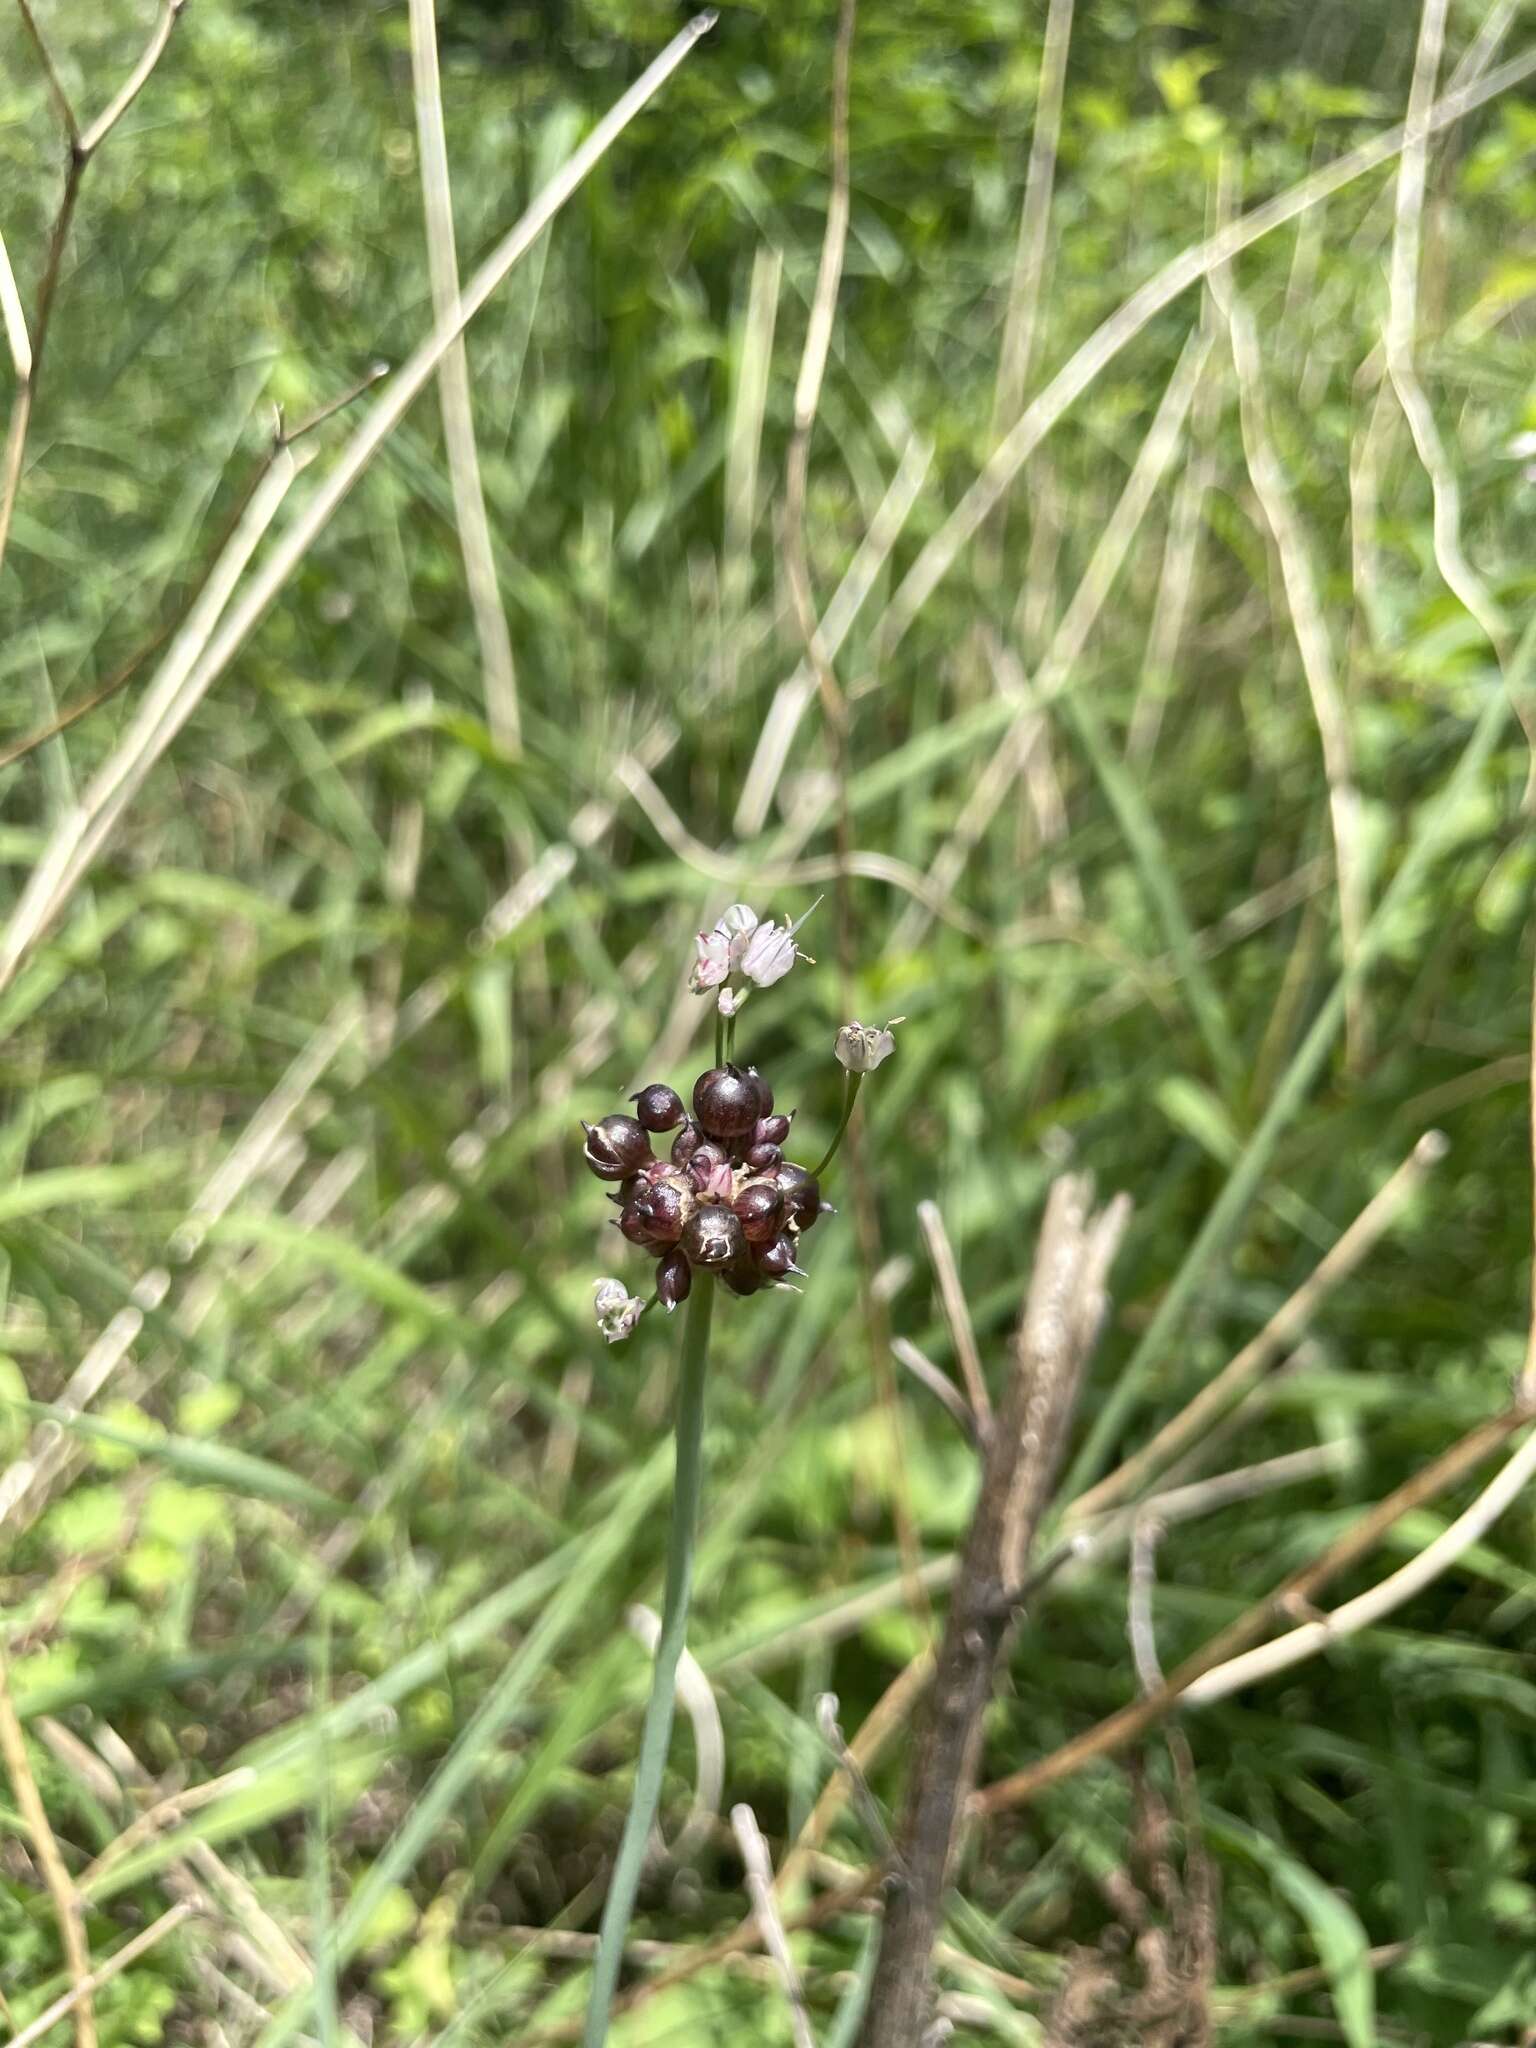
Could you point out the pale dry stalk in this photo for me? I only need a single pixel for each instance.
(1279, 1334)
(453, 385)
(67, 1907)
(1313, 643)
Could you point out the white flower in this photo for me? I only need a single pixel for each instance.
(731, 1000)
(861, 1048)
(616, 1308)
(771, 952)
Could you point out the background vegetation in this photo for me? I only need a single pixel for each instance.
(341, 1548)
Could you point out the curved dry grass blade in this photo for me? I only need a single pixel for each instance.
(1112, 335)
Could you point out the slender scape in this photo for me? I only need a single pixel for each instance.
(657, 1732)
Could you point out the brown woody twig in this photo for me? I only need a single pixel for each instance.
(1061, 1321)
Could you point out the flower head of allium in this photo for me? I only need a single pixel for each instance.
(743, 948)
(860, 1047)
(725, 1201)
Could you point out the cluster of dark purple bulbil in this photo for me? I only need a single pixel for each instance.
(726, 1201)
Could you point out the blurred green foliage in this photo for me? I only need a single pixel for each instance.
(365, 1500)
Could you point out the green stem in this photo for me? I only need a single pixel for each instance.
(719, 1040)
(851, 1084)
(657, 1730)
(730, 1040)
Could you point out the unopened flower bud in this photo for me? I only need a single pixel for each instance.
(616, 1147)
(658, 1107)
(636, 1224)
(771, 1130)
(725, 1102)
(742, 1277)
(764, 1092)
(777, 1259)
(709, 1173)
(764, 1158)
(663, 1207)
(674, 1277)
(712, 1236)
(801, 1192)
(759, 1208)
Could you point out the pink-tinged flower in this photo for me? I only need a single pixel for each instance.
(616, 1308)
(721, 950)
(860, 1047)
(713, 963)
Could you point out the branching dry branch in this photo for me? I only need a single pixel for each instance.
(1061, 1321)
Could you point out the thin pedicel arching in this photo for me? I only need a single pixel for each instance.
(725, 1207)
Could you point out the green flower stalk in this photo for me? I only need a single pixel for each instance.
(726, 1208)
(687, 1485)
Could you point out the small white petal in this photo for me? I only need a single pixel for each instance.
(736, 926)
(731, 1000)
(616, 1308)
(769, 956)
(861, 1048)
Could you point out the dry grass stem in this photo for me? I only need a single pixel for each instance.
(1400, 337)
(17, 338)
(78, 1996)
(1380, 1600)
(759, 1882)
(453, 386)
(403, 388)
(1278, 1335)
(67, 1908)
(957, 1313)
(1057, 671)
(940, 554)
(938, 1383)
(1313, 642)
(696, 1696)
(1129, 1723)
(1026, 289)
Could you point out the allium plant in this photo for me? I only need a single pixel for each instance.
(726, 1207)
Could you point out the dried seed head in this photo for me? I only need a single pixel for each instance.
(658, 1107)
(712, 1236)
(725, 1102)
(616, 1147)
(760, 1210)
(674, 1278)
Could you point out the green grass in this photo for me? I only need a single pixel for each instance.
(360, 1499)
